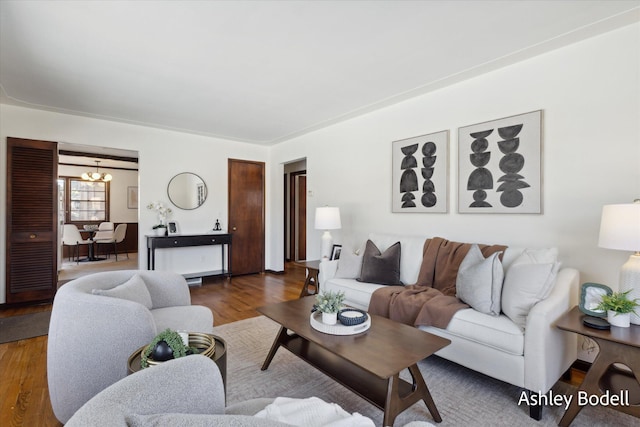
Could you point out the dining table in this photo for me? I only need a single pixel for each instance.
(91, 256)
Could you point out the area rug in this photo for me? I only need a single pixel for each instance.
(463, 397)
(25, 326)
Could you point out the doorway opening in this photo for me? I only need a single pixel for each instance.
(295, 210)
(86, 208)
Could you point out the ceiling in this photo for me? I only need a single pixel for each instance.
(267, 71)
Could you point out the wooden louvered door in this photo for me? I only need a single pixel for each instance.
(32, 212)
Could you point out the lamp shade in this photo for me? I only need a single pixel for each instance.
(328, 218)
(620, 227)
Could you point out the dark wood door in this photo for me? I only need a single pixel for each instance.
(246, 216)
(32, 212)
(301, 218)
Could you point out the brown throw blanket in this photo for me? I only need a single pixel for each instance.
(431, 301)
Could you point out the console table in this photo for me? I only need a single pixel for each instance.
(184, 240)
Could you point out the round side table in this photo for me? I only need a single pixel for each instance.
(219, 357)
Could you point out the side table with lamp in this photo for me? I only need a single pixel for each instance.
(620, 229)
(327, 218)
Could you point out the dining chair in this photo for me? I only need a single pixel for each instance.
(118, 237)
(105, 231)
(71, 237)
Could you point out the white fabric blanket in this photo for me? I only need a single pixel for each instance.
(312, 412)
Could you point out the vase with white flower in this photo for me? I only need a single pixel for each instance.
(163, 213)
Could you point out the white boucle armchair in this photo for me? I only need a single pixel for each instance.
(92, 336)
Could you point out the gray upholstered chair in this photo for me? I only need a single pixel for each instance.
(91, 336)
(184, 392)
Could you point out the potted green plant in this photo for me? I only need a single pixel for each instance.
(167, 345)
(329, 303)
(619, 308)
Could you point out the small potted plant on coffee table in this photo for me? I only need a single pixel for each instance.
(329, 304)
(619, 308)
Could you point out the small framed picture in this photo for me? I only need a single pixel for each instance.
(590, 297)
(132, 197)
(335, 251)
(172, 228)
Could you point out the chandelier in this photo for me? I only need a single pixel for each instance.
(96, 176)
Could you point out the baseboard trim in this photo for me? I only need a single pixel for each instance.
(275, 271)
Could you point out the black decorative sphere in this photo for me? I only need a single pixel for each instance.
(162, 352)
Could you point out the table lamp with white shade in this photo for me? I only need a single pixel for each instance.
(327, 218)
(620, 229)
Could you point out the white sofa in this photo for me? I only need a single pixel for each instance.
(533, 359)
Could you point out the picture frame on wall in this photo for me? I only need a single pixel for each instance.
(335, 252)
(420, 174)
(132, 197)
(500, 165)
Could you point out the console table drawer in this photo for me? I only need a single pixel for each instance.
(182, 241)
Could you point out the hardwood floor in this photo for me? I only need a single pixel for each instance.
(24, 396)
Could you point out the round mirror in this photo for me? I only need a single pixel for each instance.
(187, 190)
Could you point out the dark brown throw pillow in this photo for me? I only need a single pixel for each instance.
(381, 268)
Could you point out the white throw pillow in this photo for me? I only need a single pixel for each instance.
(537, 256)
(133, 289)
(479, 281)
(349, 265)
(525, 284)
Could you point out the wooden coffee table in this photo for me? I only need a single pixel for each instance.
(369, 363)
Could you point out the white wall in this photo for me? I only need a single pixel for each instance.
(163, 154)
(590, 94)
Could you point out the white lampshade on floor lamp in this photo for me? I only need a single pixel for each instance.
(620, 229)
(327, 218)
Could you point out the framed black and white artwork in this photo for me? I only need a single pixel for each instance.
(500, 165)
(420, 173)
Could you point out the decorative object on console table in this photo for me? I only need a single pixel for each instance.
(160, 230)
(163, 213)
(327, 218)
(172, 228)
(499, 165)
(620, 229)
(420, 185)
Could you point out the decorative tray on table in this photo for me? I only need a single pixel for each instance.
(339, 328)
